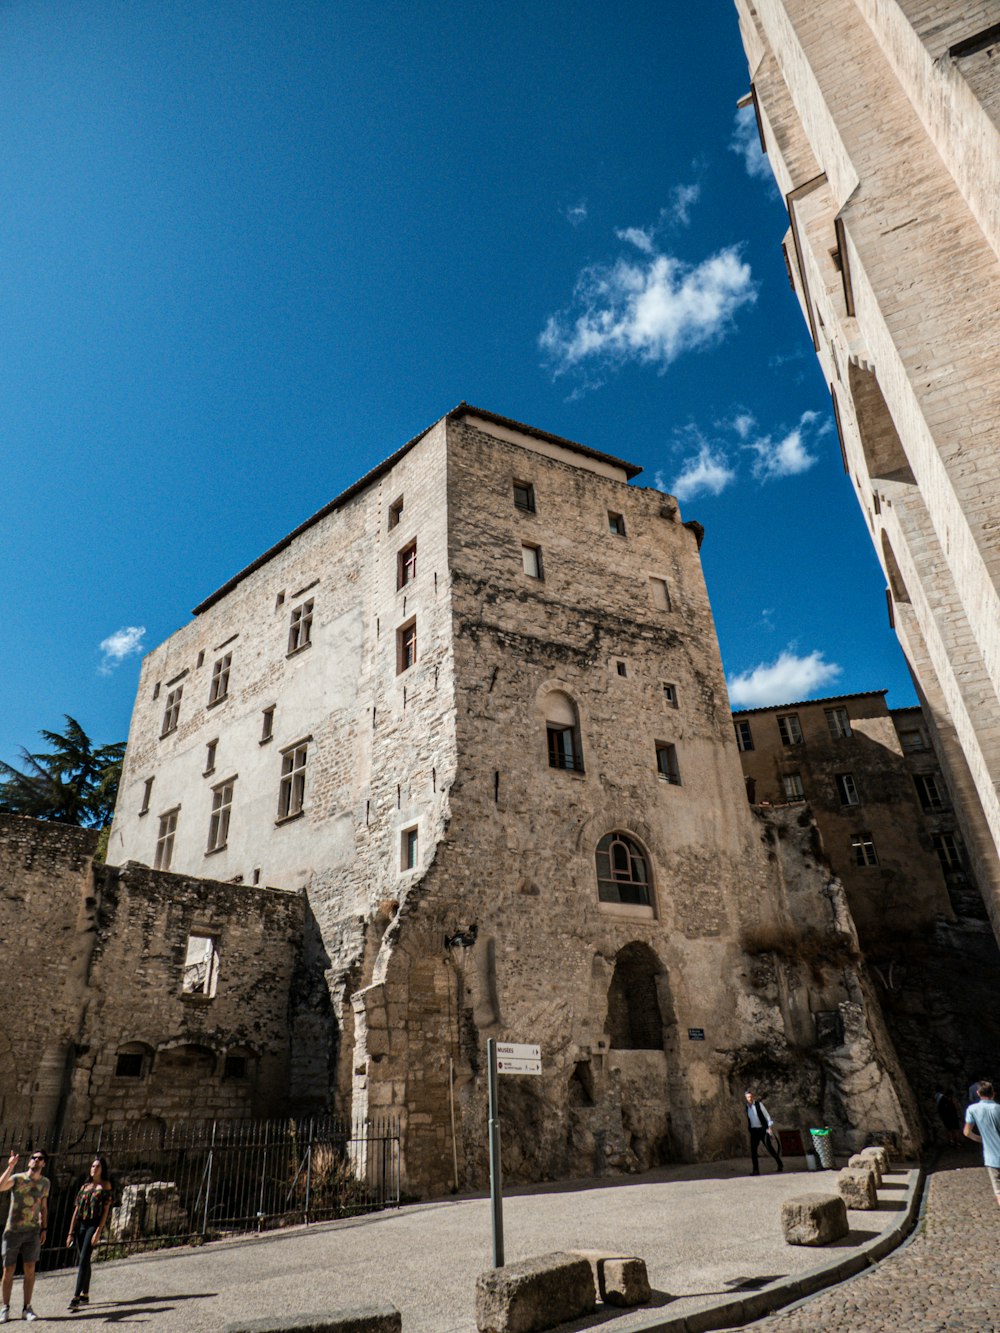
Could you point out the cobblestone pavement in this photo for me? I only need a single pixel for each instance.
(947, 1277)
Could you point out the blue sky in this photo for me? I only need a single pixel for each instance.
(247, 249)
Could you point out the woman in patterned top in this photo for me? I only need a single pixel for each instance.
(93, 1203)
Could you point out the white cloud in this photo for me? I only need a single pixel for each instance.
(788, 456)
(786, 680)
(577, 213)
(682, 197)
(746, 144)
(125, 642)
(651, 310)
(743, 424)
(705, 473)
(640, 237)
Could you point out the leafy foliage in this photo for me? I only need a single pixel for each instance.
(75, 782)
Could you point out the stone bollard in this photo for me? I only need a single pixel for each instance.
(814, 1219)
(880, 1155)
(620, 1279)
(370, 1319)
(534, 1294)
(857, 1189)
(859, 1162)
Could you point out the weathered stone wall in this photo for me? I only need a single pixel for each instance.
(887, 150)
(100, 955)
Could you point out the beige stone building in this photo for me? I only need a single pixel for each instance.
(880, 122)
(475, 708)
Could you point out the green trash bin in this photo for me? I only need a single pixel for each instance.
(822, 1141)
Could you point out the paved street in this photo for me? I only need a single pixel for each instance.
(707, 1233)
(947, 1277)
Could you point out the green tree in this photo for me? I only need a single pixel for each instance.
(75, 782)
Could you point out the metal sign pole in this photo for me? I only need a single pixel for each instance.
(496, 1180)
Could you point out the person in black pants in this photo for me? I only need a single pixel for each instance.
(759, 1123)
(93, 1204)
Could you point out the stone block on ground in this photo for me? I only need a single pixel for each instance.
(371, 1319)
(880, 1155)
(857, 1189)
(814, 1219)
(534, 1294)
(861, 1162)
(620, 1279)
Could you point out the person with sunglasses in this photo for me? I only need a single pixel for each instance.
(24, 1233)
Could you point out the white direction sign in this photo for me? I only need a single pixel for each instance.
(518, 1058)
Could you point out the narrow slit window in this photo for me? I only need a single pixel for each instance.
(210, 750)
(147, 792)
(408, 849)
(406, 647)
(267, 725)
(395, 513)
(406, 565)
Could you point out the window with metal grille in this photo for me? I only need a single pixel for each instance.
(222, 804)
(291, 794)
(300, 627)
(219, 687)
(790, 729)
(171, 711)
(622, 874)
(165, 840)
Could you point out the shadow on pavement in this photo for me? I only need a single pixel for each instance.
(118, 1312)
(604, 1313)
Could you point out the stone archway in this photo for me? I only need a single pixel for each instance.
(634, 1019)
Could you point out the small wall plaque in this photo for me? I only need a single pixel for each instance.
(696, 1034)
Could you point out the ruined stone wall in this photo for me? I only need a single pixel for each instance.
(505, 935)
(906, 888)
(886, 147)
(96, 970)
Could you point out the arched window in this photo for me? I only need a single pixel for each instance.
(563, 732)
(622, 874)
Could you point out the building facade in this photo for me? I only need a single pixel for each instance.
(880, 121)
(475, 708)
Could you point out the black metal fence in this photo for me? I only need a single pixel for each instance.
(200, 1181)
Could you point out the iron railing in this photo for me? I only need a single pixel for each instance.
(200, 1181)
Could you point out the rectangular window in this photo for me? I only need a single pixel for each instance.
(129, 1064)
(147, 792)
(847, 789)
(406, 646)
(564, 749)
(911, 741)
(670, 694)
(210, 750)
(792, 783)
(616, 523)
(171, 711)
(949, 851)
(201, 966)
(267, 725)
(291, 795)
(222, 804)
(531, 559)
(235, 1066)
(789, 729)
(395, 513)
(744, 736)
(660, 594)
(524, 497)
(165, 840)
(838, 722)
(621, 668)
(864, 850)
(408, 849)
(300, 627)
(930, 791)
(406, 565)
(666, 763)
(220, 680)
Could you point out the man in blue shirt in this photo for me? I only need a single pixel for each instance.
(982, 1123)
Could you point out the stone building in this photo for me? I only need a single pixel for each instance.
(142, 997)
(880, 122)
(872, 783)
(475, 708)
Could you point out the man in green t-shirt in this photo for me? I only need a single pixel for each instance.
(24, 1233)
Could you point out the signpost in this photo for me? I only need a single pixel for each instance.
(503, 1058)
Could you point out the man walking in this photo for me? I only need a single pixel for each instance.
(982, 1124)
(24, 1233)
(759, 1122)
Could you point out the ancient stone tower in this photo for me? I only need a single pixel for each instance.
(475, 708)
(880, 121)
